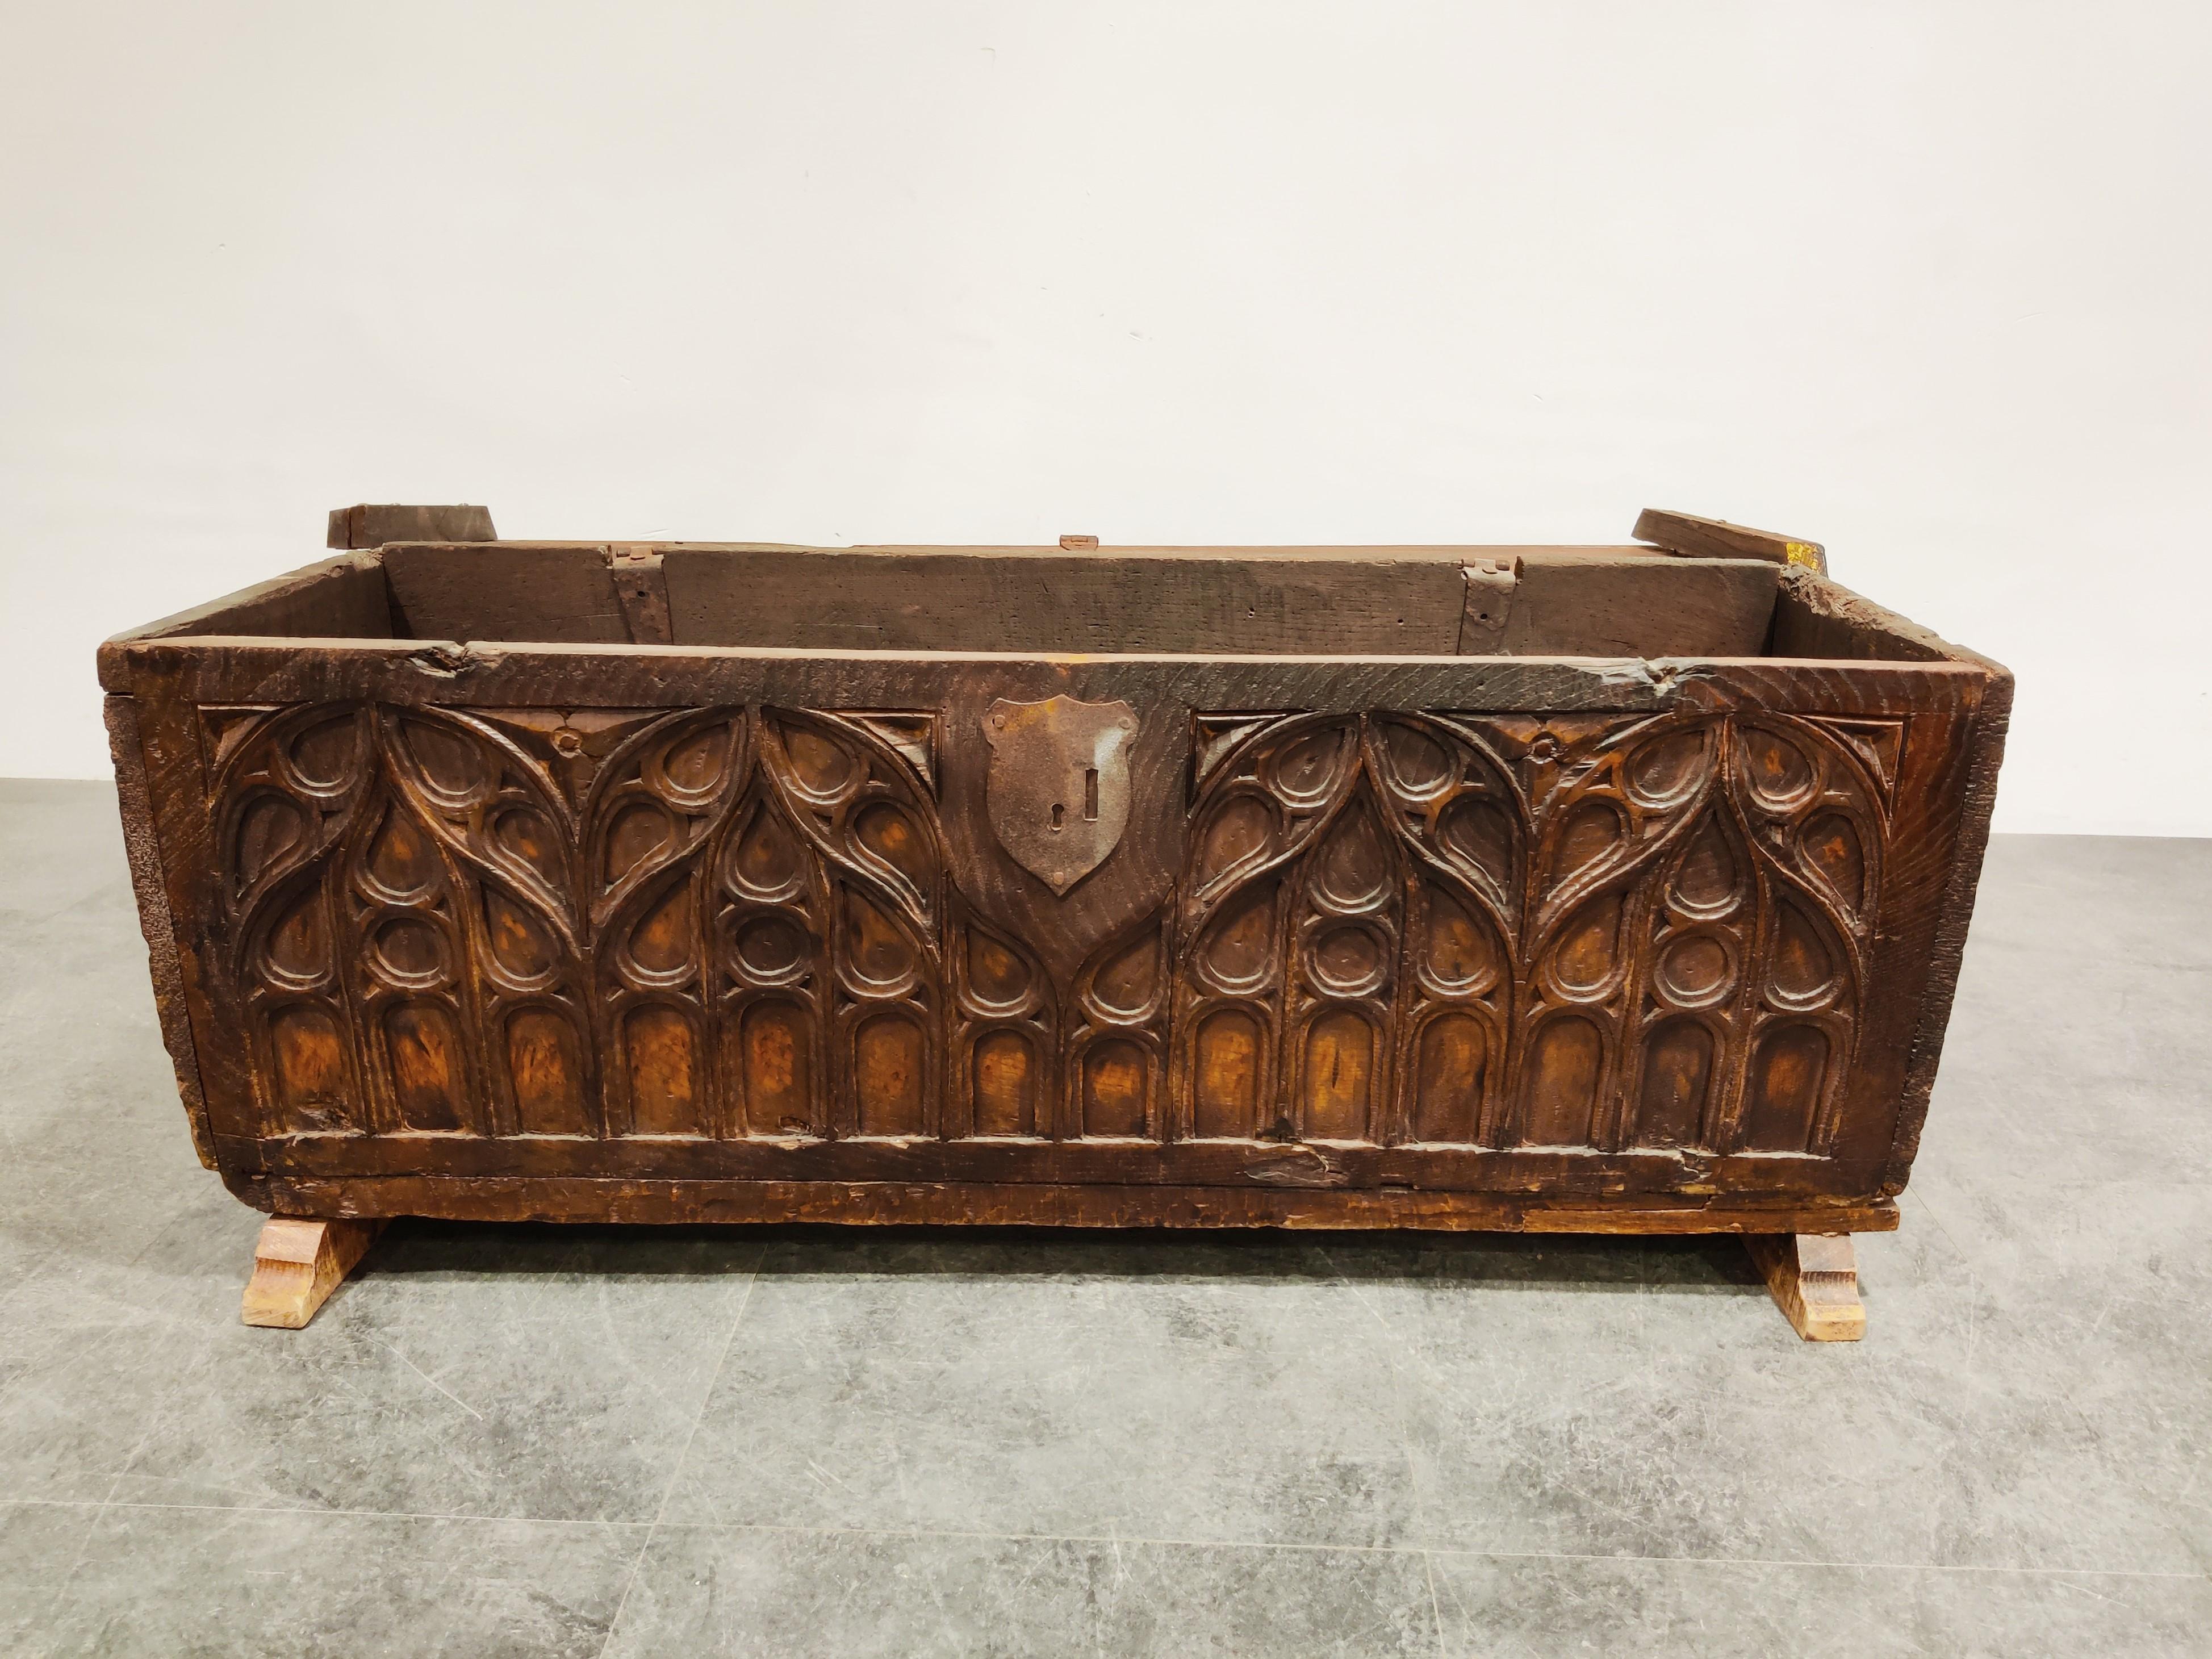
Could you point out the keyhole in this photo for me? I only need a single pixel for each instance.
(1059, 815)
(1091, 794)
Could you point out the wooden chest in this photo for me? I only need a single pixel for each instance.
(1565, 888)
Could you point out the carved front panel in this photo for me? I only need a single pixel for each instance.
(1577, 932)
(1582, 932)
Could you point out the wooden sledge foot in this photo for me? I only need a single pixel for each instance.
(1815, 1280)
(297, 1263)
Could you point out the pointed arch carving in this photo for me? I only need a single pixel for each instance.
(1347, 927)
(1609, 932)
(288, 797)
(861, 810)
(1114, 1077)
(1577, 932)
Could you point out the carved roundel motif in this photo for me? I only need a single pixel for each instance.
(1697, 970)
(1349, 960)
(410, 952)
(772, 949)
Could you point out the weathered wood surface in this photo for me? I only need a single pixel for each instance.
(1815, 617)
(339, 597)
(373, 525)
(1818, 617)
(1401, 602)
(1973, 786)
(942, 1203)
(1525, 880)
(297, 1263)
(960, 1152)
(1815, 1279)
(1716, 538)
(507, 590)
(1406, 603)
(641, 589)
(429, 673)
(1089, 601)
(142, 846)
(473, 924)
(1632, 606)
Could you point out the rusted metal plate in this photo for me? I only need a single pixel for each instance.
(1059, 788)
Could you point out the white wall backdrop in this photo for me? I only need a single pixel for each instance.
(1928, 283)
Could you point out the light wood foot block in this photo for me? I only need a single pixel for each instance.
(297, 1263)
(1815, 1279)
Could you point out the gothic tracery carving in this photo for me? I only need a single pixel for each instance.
(1572, 931)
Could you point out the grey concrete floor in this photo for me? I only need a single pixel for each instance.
(507, 1440)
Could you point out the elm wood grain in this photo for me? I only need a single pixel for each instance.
(1976, 798)
(1815, 1279)
(367, 525)
(1592, 606)
(1322, 552)
(1914, 765)
(1427, 553)
(451, 596)
(1143, 869)
(174, 748)
(229, 669)
(1682, 532)
(1548, 897)
(561, 592)
(297, 1263)
(1585, 1173)
(337, 598)
(457, 1198)
(1814, 616)
(1088, 602)
(1220, 602)
(142, 846)
(266, 674)
(1579, 935)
